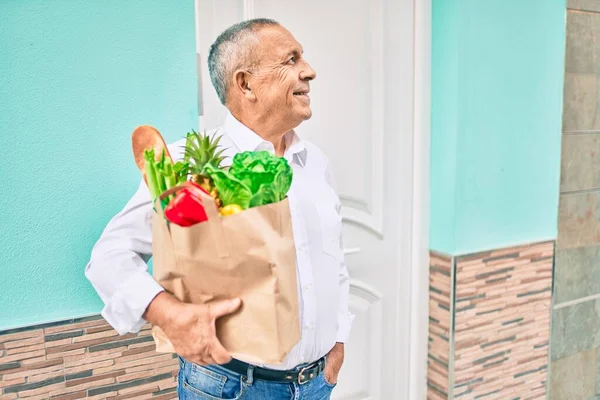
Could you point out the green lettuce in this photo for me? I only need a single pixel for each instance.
(269, 177)
(230, 189)
(255, 178)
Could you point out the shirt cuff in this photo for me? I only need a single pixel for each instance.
(344, 326)
(125, 309)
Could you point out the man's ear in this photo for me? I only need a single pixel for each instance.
(243, 85)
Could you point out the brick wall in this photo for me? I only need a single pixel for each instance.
(84, 358)
(440, 287)
(489, 325)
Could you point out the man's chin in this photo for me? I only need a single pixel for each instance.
(300, 116)
(306, 114)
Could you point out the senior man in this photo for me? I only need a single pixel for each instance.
(260, 75)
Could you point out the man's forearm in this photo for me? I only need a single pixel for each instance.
(335, 359)
(161, 309)
(337, 350)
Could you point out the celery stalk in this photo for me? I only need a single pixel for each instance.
(151, 177)
(158, 168)
(181, 170)
(169, 174)
(160, 179)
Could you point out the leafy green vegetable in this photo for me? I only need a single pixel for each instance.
(230, 189)
(151, 175)
(264, 195)
(269, 177)
(255, 178)
(252, 160)
(181, 170)
(283, 180)
(159, 168)
(168, 173)
(162, 174)
(252, 179)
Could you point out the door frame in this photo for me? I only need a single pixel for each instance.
(413, 249)
(419, 298)
(414, 19)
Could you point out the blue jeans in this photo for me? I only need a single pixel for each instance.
(215, 383)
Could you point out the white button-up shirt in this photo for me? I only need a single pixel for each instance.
(119, 273)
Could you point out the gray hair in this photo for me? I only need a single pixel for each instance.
(231, 51)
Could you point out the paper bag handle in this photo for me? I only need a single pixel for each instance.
(210, 207)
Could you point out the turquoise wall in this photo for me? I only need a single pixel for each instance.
(75, 78)
(444, 122)
(497, 88)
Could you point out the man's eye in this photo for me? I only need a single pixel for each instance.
(292, 60)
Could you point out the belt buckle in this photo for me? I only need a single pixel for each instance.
(302, 381)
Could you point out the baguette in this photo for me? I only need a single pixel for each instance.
(143, 138)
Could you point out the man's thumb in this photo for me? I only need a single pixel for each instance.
(224, 307)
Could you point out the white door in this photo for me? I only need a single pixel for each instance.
(363, 118)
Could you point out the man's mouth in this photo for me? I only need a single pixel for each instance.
(302, 94)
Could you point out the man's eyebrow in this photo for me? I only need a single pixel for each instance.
(294, 52)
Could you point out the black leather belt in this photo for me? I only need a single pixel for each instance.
(301, 376)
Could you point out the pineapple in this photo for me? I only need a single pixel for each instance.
(200, 150)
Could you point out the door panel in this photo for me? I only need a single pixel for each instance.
(346, 96)
(362, 119)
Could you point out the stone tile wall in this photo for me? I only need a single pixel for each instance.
(83, 358)
(575, 339)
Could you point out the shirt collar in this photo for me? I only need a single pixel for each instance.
(247, 140)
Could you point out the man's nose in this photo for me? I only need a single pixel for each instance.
(307, 73)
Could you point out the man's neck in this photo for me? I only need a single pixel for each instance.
(268, 129)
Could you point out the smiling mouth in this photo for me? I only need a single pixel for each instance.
(302, 97)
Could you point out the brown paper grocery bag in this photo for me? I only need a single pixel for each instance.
(250, 255)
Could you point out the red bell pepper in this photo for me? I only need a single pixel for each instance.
(186, 208)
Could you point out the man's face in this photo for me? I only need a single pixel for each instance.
(281, 81)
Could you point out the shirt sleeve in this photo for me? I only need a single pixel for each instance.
(345, 317)
(118, 268)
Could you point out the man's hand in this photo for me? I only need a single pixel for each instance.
(335, 359)
(191, 327)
